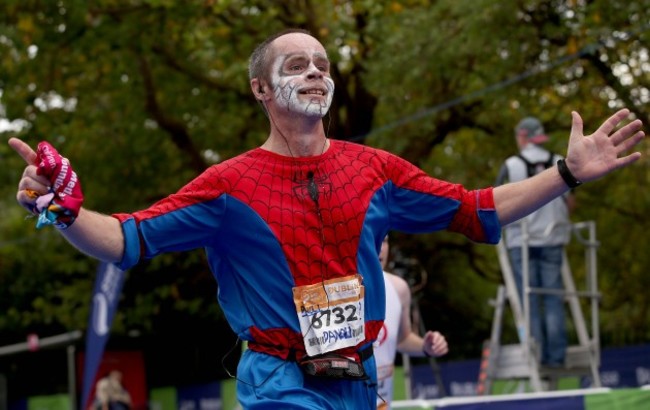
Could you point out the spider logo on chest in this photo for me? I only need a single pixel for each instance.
(310, 185)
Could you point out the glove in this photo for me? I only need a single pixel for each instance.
(61, 206)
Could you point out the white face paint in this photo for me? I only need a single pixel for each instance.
(302, 84)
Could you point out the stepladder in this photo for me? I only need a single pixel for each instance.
(520, 361)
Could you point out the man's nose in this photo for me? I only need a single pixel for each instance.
(313, 72)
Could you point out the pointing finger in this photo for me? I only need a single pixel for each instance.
(24, 150)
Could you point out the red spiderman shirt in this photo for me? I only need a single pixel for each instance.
(293, 242)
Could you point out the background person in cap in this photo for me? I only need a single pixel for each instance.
(549, 231)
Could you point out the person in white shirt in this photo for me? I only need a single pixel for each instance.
(548, 230)
(397, 335)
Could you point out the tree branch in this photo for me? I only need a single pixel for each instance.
(176, 129)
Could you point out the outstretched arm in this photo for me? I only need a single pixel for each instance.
(97, 235)
(589, 157)
(94, 234)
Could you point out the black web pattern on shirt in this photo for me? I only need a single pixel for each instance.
(315, 206)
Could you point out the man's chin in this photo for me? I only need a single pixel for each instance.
(320, 113)
(316, 106)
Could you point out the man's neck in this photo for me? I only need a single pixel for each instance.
(304, 147)
(297, 139)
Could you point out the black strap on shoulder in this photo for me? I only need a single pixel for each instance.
(534, 168)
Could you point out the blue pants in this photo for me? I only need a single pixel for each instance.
(547, 316)
(267, 382)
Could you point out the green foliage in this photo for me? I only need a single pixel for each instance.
(143, 95)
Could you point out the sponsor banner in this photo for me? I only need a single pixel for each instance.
(564, 403)
(460, 379)
(624, 367)
(200, 397)
(106, 295)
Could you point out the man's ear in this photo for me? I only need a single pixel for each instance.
(259, 89)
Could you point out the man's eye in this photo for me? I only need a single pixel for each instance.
(295, 67)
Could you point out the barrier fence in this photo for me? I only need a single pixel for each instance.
(624, 373)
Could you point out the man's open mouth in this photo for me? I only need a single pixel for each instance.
(313, 91)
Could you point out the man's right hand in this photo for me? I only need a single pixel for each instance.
(49, 184)
(94, 234)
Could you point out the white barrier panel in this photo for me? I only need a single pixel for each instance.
(501, 398)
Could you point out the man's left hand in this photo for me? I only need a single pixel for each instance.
(590, 157)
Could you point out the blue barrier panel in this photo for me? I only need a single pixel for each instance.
(564, 403)
(200, 397)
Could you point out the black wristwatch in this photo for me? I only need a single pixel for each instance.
(567, 176)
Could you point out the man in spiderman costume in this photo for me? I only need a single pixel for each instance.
(293, 228)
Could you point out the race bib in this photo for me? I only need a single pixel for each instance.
(331, 314)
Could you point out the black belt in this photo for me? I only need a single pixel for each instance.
(336, 366)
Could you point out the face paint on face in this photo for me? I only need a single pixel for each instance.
(302, 84)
